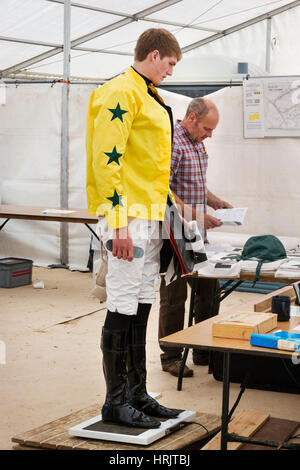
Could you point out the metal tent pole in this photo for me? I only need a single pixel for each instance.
(64, 176)
(268, 44)
(240, 26)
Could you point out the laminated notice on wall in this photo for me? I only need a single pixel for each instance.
(272, 107)
(282, 110)
(253, 109)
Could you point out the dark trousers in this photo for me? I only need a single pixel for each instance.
(172, 309)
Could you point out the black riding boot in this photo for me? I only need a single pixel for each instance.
(136, 364)
(114, 345)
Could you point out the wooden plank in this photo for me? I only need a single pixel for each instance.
(295, 439)
(66, 442)
(20, 447)
(275, 429)
(245, 424)
(79, 443)
(265, 304)
(38, 439)
(55, 435)
(72, 418)
(190, 434)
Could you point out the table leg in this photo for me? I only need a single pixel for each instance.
(93, 231)
(225, 400)
(231, 289)
(190, 322)
(4, 223)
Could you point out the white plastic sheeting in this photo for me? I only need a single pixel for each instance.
(261, 174)
(30, 167)
(30, 153)
(30, 121)
(217, 61)
(189, 20)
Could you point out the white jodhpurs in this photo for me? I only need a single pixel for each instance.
(129, 283)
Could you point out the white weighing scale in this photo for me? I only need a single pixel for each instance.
(94, 428)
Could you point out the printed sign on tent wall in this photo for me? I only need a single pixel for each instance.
(253, 109)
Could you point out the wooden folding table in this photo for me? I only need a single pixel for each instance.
(40, 213)
(200, 336)
(233, 284)
(45, 214)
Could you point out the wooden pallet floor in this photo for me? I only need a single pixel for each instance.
(259, 426)
(54, 435)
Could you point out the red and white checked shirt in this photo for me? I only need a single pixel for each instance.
(188, 168)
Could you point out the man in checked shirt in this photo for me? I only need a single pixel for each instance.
(188, 184)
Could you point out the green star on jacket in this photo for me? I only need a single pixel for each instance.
(116, 199)
(113, 156)
(117, 112)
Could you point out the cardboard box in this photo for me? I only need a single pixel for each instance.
(241, 325)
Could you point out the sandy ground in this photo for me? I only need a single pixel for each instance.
(52, 362)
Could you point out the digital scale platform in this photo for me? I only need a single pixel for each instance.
(94, 428)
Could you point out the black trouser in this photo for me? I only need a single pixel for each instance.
(172, 309)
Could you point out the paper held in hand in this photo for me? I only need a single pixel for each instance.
(233, 216)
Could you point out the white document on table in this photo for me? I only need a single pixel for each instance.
(57, 211)
(233, 216)
(295, 311)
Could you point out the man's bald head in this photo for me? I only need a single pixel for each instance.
(201, 107)
(201, 119)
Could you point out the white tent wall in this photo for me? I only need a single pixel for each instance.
(178, 103)
(30, 142)
(285, 56)
(30, 123)
(79, 235)
(30, 155)
(247, 45)
(39, 22)
(261, 174)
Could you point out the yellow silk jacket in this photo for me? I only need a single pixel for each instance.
(128, 146)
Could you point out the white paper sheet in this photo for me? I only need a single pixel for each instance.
(57, 211)
(233, 216)
(295, 311)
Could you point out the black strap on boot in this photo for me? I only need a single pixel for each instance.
(137, 374)
(114, 345)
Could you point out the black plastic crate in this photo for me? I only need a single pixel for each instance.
(15, 272)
